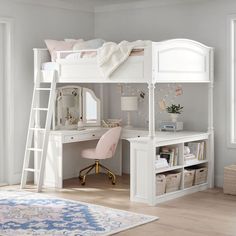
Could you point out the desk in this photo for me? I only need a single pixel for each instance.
(63, 158)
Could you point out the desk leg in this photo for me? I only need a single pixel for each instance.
(53, 169)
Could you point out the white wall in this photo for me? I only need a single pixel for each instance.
(202, 21)
(2, 162)
(33, 24)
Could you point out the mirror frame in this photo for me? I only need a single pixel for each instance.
(82, 105)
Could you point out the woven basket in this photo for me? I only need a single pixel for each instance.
(230, 180)
(188, 178)
(173, 182)
(160, 184)
(200, 176)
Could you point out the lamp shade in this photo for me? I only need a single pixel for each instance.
(129, 103)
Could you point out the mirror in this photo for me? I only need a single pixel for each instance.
(91, 107)
(73, 103)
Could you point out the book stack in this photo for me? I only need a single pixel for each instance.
(161, 163)
(195, 153)
(170, 154)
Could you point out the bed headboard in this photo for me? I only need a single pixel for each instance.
(182, 60)
(41, 55)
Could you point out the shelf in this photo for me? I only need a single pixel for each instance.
(169, 194)
(161, 170)
(196, 163)
(182, 192)
(196, 186)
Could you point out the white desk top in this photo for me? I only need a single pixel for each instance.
(168, 138)
(126, 133)
(137, 134)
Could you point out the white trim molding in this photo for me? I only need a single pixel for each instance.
(231, 91)
(129, 5)
(9, 99)
(95, 6)
(72, 5)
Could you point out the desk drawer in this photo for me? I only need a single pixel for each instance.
(71, 138)
(91, 136)
(82, 137)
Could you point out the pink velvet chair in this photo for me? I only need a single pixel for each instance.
(106, 148)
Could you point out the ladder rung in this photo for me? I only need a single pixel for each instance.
(40, 109)
(35, 149)
(31, 170)
(43, 89)
(37, 129)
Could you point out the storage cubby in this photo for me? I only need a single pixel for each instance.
(195, 152)
(169, 157)
(195, 175)
(169, 182)
(182, 178)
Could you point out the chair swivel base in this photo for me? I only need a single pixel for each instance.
(96, 166)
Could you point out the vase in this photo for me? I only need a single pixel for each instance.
(174, 117)
(80, 124)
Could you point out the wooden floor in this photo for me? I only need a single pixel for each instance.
(204, 213)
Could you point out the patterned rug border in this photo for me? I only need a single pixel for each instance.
(151, 217)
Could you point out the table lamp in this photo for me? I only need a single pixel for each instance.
(129, 103)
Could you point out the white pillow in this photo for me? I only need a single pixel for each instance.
(90, 44)
(55, 45)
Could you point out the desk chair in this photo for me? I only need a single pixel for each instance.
(106, 148)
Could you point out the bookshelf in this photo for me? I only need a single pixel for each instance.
(143, 160)
(181, 168)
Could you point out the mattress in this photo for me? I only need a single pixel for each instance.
(82, 57)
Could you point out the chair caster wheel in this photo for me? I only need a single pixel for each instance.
(83, 183)
(113, 183)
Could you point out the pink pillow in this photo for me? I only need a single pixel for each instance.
(54, 45)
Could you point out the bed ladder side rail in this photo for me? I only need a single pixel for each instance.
(34, 130)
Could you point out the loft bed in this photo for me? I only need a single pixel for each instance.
(171, 61)
(177, 60)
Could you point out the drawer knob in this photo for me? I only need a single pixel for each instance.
(93, 135)
(72, 137)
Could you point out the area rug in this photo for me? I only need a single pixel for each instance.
(25, 213)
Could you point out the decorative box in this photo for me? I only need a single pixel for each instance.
(173, 182)
(200, 176)
(230, 180)
(188, 178)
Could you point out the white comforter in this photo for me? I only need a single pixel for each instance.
(111, 55)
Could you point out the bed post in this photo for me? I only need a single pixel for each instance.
(151, 89)
(210, 122)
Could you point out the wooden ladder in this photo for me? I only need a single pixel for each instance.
(39, 152)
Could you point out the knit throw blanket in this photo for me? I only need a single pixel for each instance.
(112, 55)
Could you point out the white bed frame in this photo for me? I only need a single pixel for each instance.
(171, 61)
(177, 60)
